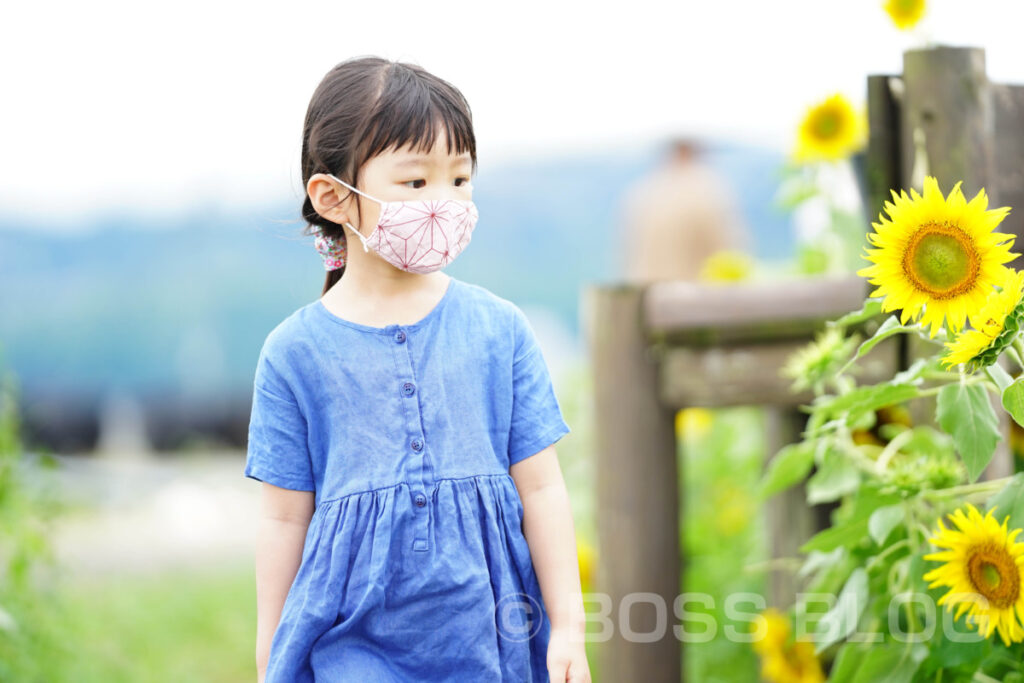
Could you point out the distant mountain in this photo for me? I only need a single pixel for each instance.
(178, 307)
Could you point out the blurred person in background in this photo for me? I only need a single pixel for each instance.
(674, 218)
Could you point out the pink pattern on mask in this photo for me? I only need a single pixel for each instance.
(421, 236)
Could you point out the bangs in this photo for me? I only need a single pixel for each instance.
(412, 111)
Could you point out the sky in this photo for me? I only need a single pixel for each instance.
(151, 107)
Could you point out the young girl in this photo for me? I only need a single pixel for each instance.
(415, 525)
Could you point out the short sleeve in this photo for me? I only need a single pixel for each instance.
(278, 450)
(537, 420)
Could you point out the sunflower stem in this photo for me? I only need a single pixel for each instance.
(1018, 347)
(947, 376)
(954, 491)
(1015, 353)
(785, 563)
(983, 678)
(915, 547)
(965, 380)
(877, 559)
(890, 450)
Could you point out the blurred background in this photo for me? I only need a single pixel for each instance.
(150, 239)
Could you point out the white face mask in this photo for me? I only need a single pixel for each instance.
(419, 236)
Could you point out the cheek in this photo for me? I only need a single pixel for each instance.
(369, 214)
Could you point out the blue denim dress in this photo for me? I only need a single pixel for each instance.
(414, 567)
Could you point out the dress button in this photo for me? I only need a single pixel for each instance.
(409, 388)
(400, 336)
(421, 500)
(417, 445)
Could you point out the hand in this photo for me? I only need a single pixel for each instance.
(567, 657)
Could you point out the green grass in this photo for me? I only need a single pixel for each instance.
(722, 533)
(195, 625)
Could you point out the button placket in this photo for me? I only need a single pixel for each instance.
(416, 469)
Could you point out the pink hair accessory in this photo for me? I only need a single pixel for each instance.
(331, 250)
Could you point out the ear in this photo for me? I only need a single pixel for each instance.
(329, 199)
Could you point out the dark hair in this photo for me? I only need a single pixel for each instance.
(366, 105)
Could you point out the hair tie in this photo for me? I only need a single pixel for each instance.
(333, 251)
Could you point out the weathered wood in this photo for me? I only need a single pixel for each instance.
(749, 311)
(947, 104)
(1008, 181)
(788, 519)
(882, 160)
(637, 490)
(748, 374)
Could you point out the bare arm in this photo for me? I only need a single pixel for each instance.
(284, 520)
(550, 532)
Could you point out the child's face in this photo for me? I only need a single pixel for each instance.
(401, 175)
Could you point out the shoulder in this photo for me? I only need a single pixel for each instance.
(497, 317)
(483, 304)
(289, 340)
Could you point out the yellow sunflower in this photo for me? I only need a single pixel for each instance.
(784, 660)
(969, 344)
(693, 422)
(939, 254)
(982, 567)
(830, 130)
(905, 13)
(587, 556)
(726, 265)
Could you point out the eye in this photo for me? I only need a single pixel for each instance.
(418, 180)
(465, 181)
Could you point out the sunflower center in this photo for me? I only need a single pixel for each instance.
(826, 124)
(994, 574)
(798, 665)
(941, 260)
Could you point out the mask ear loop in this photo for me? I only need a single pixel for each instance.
(361, 238)
(349, 225)
(354, 189)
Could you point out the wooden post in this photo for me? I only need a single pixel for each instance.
(638, 500)
(948, 126)
(882, 163)
(947, 121)
(1008, 183)
(788, 524)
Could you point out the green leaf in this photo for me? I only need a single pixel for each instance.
(852, 529)
(871, 397)
(965, 413)
(883, 520)
(910, 375)
(816, 561)
(870, 309)
(887, 329)
(789, 466)
(848, 659)
(836, 476)
(1010, 501)
(1001, 377)
(841, 620)
(891, 663)
(1013, 400)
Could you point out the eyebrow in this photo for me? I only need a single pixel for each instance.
(416, 161)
